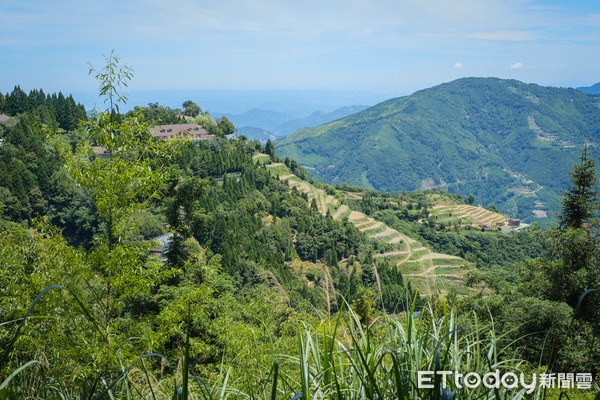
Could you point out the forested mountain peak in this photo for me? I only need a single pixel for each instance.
(507, 142)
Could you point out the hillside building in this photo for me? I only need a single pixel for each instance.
(190, 131)
(162, 244)
(101, 152)
(193, 132)
(514, 222)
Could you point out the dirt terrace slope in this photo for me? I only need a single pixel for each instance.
(429, 271)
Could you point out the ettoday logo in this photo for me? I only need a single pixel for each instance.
(508, 380)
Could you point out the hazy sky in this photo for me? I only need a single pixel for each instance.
(391, 46)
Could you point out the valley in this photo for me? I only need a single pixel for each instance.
(506, 142)
(431, 272)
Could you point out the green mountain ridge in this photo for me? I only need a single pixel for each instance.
(507, 142)
(594, 89)
(266, 270)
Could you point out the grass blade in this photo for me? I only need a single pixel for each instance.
(203, 384)
(186, 356)
(114, 382)
(7, 380)
(10, 346)
(274, 387)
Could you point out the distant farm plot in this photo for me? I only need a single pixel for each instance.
(464, 214)
(261, 158)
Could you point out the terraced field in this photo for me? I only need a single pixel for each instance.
(319, 195)
(464, 214)
(261, 158)
(313, 193)
(429, 271)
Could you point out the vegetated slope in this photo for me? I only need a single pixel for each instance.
(508, 143)
(428, 271)
(464, 214)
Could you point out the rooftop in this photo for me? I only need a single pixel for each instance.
(192, 131)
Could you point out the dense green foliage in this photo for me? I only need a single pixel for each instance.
(56, 110)
(230, 205)
(557, 293)
(223, 202)
(33, 183)
(508, 143)
(262, 294)
(156, 114)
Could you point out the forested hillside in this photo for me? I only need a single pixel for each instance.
(508, 143)
(273, 284)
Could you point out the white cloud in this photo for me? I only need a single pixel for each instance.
(507, 36)
(265, 42)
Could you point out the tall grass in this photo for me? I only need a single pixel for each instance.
(340, 357)
(343, 359)
(382, 360)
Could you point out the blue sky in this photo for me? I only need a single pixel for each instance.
(385, 46)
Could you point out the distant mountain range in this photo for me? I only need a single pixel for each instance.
(264, 124)
(594, 89)
(510, 144)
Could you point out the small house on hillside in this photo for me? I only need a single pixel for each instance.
(514, 222)
(162, 245)
(191, 131)
(101, 152)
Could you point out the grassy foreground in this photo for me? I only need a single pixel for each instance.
(336, 357)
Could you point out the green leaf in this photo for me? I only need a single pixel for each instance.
(15, 372)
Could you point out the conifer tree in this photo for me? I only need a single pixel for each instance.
(17, 102)
(580, 203)
(269, 148)
(572, 267)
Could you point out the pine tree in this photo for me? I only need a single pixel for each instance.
(572, 265)
(60, 108)
(368, 268)
(580, 203)
(269, 148)
(17, 102)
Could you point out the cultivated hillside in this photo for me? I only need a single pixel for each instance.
(508, 143)
(427, 270)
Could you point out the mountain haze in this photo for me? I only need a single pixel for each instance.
(262, 124)
(594, 89)
(316, 118)
(509, 143)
